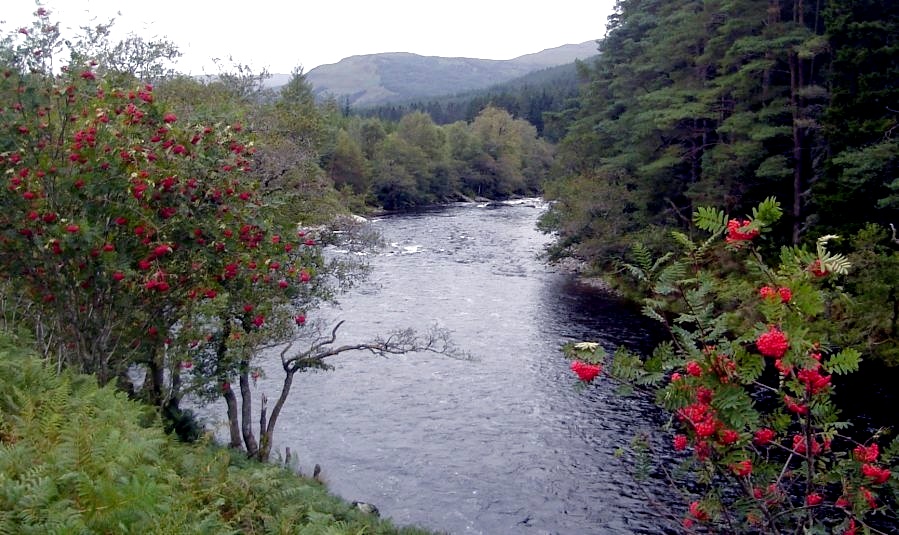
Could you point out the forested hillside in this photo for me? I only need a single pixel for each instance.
(492, 143)
(530, 97)
(725, 103)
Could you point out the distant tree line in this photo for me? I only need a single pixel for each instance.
(529, 98)
(414, 161)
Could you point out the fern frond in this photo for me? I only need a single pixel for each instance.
(672, 398)
(767, 212)
(710, 220)
(684, 241)
(670, 277)
(749, 367)
(660, 261)
(626, 365)
(707, 244)
(837, 263)
(642, 256)
(824, 409)
(834, 263)
(650, 311)
(685, 337)
(734, 401)
(635, 272)
(844, 362)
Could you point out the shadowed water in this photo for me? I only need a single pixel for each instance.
(503, 443)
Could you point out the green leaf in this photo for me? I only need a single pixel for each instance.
(664, 353)
(650, 312)
(735, 407)
(642, 256)
(749, 367)
(684, 241)
(767, 212)
(660, 262)
(626, 365)
(686, 337)
(780, 421)
(824, 410)
(670, 276)
(892, 450)
(844, 362)
(649, 378)
(710, 219)
(674, 397)
(635, 272)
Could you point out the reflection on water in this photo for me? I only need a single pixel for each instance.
(500, 444)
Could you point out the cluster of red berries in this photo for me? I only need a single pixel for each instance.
(586, 372)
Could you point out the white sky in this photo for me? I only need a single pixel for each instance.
(280, 35)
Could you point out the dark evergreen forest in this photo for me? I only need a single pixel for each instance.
(725, 103)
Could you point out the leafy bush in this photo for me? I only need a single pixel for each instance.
(748, 376)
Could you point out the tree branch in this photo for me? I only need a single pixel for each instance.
(435, 340)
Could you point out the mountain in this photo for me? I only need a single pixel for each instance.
(401, 76)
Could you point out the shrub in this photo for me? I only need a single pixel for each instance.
(748, 377)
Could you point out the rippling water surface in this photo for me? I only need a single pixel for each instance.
(503, 443)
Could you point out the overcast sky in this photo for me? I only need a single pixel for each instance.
(280, 35)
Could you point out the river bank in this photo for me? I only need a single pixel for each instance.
(76, 458)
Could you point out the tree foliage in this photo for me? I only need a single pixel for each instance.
(177, 229)
(749, 377)
(727, 103)
(416, 162)
(151, 227)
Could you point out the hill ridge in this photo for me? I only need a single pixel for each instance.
(386, 77)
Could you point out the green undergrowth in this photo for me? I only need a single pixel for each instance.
(75, 458)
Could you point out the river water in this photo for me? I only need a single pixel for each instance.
(504, 443)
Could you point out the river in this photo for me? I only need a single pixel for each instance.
(503, 443)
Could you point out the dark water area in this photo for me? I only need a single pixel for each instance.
(503, 443)
(869, 399)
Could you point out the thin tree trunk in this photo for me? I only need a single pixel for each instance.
(233, 424)
(269, 431)
(263, 424)
(772, 19)
(153, 382)
(246, 412)
(174, 397)
(795, 81)
(227, 392)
